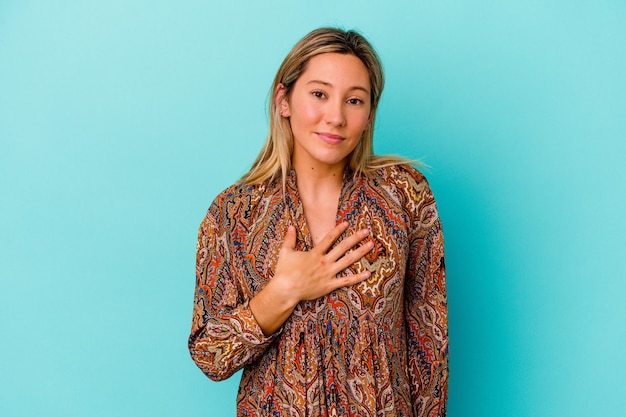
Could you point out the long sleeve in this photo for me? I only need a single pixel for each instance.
(426, 307)
(224, 334)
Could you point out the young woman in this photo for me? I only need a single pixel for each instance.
(321, 273)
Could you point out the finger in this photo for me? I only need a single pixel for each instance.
(330, 238)
(353, 257)
(351, 280)
(290, 238)
(348, 243)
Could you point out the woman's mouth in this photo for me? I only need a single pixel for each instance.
(330, 138)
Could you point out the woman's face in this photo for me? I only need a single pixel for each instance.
(329, 108)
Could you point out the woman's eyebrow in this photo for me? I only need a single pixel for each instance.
(325, 83)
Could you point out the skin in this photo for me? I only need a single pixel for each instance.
(328, 108)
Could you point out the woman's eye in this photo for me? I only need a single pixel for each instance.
(355, 101)
(318, 94)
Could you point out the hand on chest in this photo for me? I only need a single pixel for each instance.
(386, 261)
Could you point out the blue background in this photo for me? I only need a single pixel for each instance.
(121, 120)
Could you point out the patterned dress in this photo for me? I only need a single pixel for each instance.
(378, 348)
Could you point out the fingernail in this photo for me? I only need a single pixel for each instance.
(365, 232)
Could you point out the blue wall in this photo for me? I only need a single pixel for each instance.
(121, 120)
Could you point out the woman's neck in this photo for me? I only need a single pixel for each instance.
(319, 191)
(318, 181)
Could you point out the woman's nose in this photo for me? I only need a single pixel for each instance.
(335, 114)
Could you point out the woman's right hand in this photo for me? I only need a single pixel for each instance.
(308, 275)
(312, 274)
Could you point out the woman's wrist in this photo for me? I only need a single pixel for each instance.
(272, 306)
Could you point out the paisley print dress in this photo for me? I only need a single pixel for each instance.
(378, 348)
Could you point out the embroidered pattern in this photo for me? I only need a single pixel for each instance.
(378, 348)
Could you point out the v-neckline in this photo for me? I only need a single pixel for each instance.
(299, 216)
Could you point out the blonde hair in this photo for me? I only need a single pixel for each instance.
(274, 160)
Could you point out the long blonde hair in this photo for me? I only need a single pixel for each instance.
(274, 160)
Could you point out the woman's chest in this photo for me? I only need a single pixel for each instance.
(386, 261)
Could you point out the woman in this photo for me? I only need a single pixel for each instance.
(321, 273)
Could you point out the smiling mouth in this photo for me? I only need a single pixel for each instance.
(330, 138)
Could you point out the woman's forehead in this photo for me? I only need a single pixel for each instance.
(336, 70)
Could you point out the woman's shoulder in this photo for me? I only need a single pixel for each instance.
(404, 183)
(239, 201)
(240, 193)
(400, 175)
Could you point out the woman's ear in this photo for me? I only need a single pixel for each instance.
(281, 101)
(369, 120)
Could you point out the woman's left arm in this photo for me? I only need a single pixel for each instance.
(426, 309)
